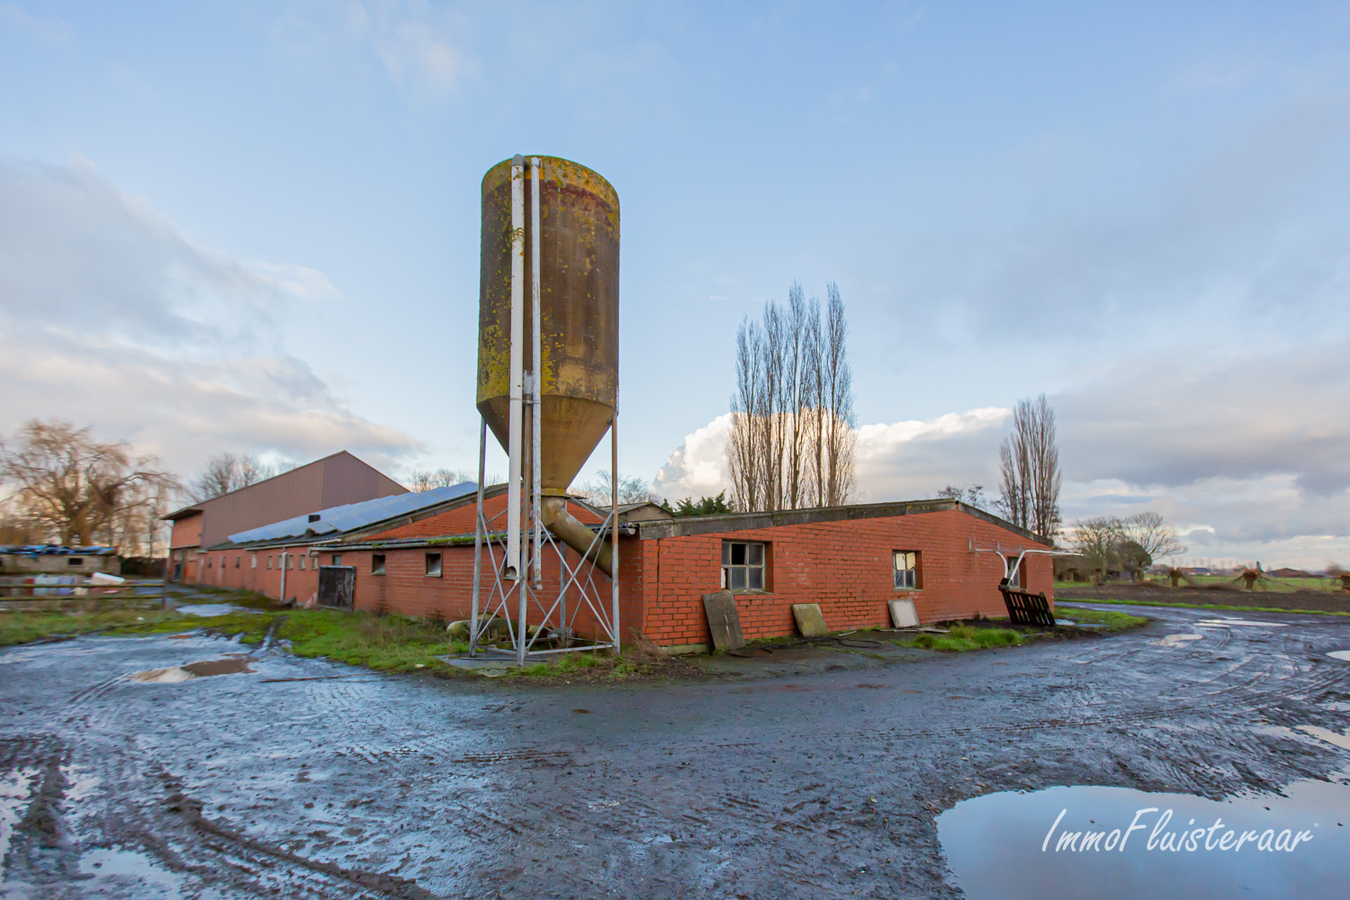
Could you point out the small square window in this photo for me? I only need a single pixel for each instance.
(906, 570)
(743, 566)
(377, 564)
(337, 560)
(433, 565)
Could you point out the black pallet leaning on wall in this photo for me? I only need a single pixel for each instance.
(1026, 608)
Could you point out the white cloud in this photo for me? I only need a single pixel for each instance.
(698, 467)
(110, 317)
(899, 461)
(1250, 458)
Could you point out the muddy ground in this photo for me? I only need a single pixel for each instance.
(811, 775)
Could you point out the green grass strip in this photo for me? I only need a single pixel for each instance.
(1229, 607)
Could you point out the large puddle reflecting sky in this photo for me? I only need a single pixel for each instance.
(1054, 843)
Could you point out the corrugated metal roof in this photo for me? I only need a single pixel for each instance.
(340, 519)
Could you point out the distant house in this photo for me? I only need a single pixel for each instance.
(48, 559)
(1289, 573)
(323, 484)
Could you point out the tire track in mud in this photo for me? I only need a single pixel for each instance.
(820, 791)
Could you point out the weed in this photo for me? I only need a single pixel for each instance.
(961, 638)
(1109, 620)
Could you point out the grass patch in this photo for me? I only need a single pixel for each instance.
(1109, 620)
(383, 643)
(387, 643)
(962, 638)
(26, 627)
(1224, 606)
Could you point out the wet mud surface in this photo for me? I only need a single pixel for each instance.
(303, 778)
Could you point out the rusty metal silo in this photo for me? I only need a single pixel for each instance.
(578, 282)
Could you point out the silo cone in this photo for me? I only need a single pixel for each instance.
(579, 323)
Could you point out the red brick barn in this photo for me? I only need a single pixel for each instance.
(942, 555)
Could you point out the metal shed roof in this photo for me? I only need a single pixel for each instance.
(351, 516)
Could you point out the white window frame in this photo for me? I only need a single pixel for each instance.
(906, 578)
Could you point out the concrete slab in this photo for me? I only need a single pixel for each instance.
(723, 620)
(809, 620)
(488, 668)
(903, 614)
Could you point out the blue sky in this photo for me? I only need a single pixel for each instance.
(254, 226)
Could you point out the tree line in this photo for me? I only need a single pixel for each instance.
(63, 485)
(792, 437)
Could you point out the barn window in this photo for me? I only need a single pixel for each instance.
(253, 561)
(906, 570)
(337, 559)
(237, 561)
(743, 565)
(269, 560)
(75, 561)
(1014, 573)
(290, 560)
(377, 563)
(433, 565)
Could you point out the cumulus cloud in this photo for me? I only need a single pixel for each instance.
(110, 316)
(898, 461)
(1249, 457)
(698, 467)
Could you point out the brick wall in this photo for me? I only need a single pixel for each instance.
(845, 566)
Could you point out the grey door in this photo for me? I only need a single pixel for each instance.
(337, 586)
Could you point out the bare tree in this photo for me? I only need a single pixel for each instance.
(75, 488)
(971, 496)
(792, 440)
(748, 415)
(1155, 537)
(1029, 469)
(423, 480)
(631, 490)
(1097, 540)
(836, 474)
(225, 472)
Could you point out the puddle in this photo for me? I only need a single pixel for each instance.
(1176, 640)
(1331, 737)
(203, 669)
(15, 787)
(1108, 842)
(1340, 654)
(214, 609)
(118, 871)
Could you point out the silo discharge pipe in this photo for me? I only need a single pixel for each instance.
(565, 527)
